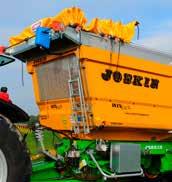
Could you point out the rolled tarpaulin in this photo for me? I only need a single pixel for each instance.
(75, 17)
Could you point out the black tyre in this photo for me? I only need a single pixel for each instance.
(15, 164)
(162, 178)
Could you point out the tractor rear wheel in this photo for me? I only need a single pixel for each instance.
(15, 165)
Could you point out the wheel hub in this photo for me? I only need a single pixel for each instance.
(3, 167)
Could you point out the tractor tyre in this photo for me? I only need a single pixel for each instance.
(15, 164)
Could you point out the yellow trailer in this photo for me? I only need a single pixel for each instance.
(122, 88)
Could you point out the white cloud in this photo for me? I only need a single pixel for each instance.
(162, 42)
(160, 38)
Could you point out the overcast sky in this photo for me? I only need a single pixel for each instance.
(155, 17)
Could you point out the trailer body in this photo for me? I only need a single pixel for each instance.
(123, 91)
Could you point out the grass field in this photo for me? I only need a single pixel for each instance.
(49, 140)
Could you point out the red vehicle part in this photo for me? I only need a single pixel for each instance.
(2, 49)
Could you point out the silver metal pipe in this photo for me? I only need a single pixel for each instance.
(113, 175)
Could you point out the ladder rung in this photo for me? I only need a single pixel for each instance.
(75, 89)
(74, 94)
(73, 80)
(77, 108)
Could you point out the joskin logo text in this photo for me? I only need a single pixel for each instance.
(128, 78)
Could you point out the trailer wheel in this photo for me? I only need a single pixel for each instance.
(163, 178)
(15, 165)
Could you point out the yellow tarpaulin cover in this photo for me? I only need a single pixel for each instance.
(75, 17)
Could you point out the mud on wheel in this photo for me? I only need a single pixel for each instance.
(15, 165)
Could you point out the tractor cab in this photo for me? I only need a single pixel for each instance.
(8, 109)
(5, 59)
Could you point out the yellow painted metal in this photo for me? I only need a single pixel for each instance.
(122, 111)
(139, 106)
